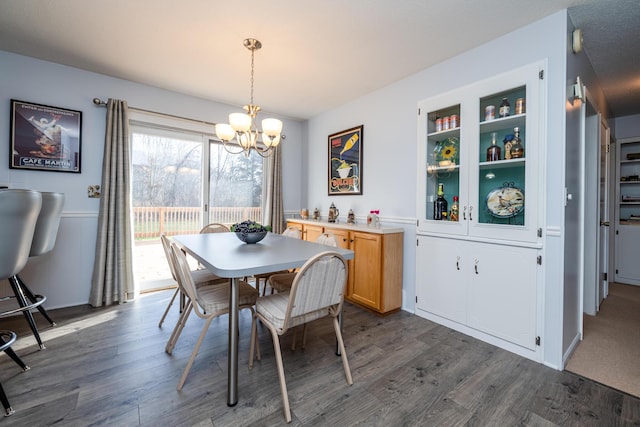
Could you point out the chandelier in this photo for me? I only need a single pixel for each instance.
(242, 127)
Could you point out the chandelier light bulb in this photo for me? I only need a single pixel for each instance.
(225, 132)
(240, 122)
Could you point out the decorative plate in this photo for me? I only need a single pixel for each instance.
(505, 202)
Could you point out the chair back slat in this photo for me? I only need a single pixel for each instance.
(183, 272)
(166, 245)
(215, 228)
(292, 232)
(319, 284)
(328, 239)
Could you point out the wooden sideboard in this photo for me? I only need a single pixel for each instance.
(375, 273)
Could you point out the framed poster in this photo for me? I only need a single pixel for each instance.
(44, 138)
(345, 162)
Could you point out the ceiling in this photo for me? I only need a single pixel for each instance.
(316, 55)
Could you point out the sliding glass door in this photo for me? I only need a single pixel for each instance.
(183, 180)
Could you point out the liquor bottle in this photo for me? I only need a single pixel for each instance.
(455, 208)
(440, 207)
(517, 149)
(494, 151)
(505, 108)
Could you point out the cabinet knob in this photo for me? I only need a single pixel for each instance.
(470, 209)
(476, 266)
(458, 263)
(464, 213)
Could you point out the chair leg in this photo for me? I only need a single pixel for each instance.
(177, 330)
(27, 314)
(166, 311)
(34, 300)
(343, 353)
(254, 345)
(8, 410)
(283, 383)
(194, 353)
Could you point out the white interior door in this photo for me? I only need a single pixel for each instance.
(591, 211)
(603, 244)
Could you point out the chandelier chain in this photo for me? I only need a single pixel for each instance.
(253, 51)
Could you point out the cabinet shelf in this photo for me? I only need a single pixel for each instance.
(502, 123)
(448, 168)
(501, 164)
(445, 133)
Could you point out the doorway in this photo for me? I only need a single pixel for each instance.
(596, 207)
(166, 198)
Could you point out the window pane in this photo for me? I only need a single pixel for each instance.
(235, 187)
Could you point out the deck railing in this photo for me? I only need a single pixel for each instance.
(150, 222)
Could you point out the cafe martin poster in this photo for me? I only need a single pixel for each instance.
(44, 137)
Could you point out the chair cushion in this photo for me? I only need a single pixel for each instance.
(273, 308)
(282, 282)
(205, 276)
(215, 298)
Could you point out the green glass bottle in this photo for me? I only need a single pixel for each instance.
(440, 207)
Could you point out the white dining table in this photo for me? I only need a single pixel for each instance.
(226, 256)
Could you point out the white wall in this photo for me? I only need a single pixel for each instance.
(64, 275)
(577, 65)
(389, 116)
(627, 127)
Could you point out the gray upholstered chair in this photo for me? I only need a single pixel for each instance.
(18, 215)
(200, 276)
(317, 291)
(292, 232)
(44, 239)
(19, 210)
(281, 282)
(207, 301)
(214, 227)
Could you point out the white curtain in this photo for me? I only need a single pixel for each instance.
(272, 206)
(112, 279)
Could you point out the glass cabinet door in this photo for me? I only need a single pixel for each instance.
(501, 168)
(442, 169)
(506, 167)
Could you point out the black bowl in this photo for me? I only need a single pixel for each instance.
(251, 238)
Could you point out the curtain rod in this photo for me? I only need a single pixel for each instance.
(99, 102)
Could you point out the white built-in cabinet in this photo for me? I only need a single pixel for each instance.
(627, 232)
(481, 274)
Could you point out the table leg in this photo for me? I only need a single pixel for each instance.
(232, 381)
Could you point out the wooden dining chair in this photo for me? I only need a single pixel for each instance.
(292, 232)
(317, 291)
(207, 301)
(200, 276)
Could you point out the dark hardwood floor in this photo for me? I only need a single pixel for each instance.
(108, 367)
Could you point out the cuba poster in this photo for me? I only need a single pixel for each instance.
(44, 138)
(345, 162)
